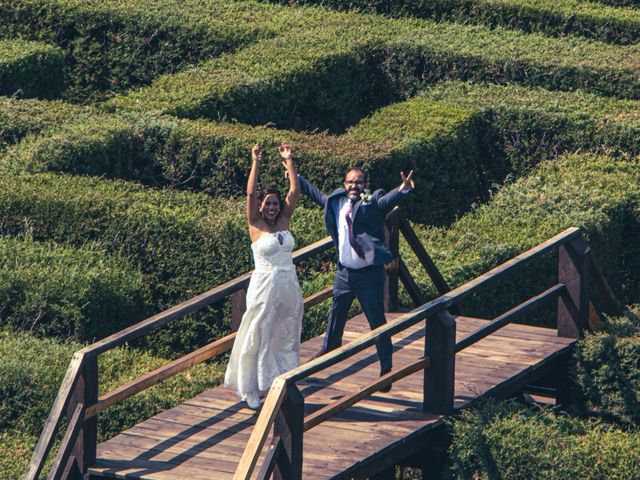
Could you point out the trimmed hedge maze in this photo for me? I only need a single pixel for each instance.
(125, 130)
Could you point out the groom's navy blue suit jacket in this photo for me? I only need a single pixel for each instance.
(368, 219)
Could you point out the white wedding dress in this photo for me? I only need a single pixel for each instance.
(268, 340)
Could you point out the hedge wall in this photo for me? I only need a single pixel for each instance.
(183, 243)
(19, 118)
(112, 45)
(607, 370)
(601, 195)
(31, 373)
(330, 77)
(436, 140)
(30, 69)
(527, 125)
(504, 440)
(68, 293)
(558, 18)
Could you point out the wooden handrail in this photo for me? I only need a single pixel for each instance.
(430, 308)
(68, 442)
(156, 376)
(338, 406)
(258, 437)
(601, 284)
(212, 296)
(509, 316)
(45, 442)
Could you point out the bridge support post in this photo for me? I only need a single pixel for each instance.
(86, 392)
(238, 307)
(289, 426)
(392, 237)
(439, 376)
(573, 304)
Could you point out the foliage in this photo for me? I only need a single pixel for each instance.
(78, 293)
(30, 69)
(503, 440)
(607, 370)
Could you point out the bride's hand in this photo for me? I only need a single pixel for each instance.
(257, 153)
(285, 151)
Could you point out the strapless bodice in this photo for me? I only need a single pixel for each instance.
(272, 251)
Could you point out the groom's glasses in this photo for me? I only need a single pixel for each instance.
(354, 182)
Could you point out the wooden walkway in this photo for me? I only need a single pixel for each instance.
(204, 437)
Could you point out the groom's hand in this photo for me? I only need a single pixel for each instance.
(407, 182)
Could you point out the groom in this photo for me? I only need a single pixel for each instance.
(355, 220)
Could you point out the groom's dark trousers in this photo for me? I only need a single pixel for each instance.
(367, 285)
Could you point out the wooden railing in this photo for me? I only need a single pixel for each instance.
(283, 409)
(77, 399)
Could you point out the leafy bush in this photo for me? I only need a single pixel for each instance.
(527, 125)
(112, 45)
(503, 440)
(601, 195)
(16, 448)
(440, 142)
(30, 69)
(607, 370)
(558, 18)
(68, 293)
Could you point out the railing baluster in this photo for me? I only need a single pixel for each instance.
(289, 427)
(439, 377)
(573, 272)
(238, 307)
(86, 393)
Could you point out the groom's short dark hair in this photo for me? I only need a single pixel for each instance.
(357, 169)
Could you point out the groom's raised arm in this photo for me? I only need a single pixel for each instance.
(313, 192)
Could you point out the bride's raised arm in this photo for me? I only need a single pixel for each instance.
(253, 209)
(294, 182)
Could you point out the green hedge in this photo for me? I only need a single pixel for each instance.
(607, 370)
(440, 142)
(113, 45)
(183, 243)
(601, 195)
(558, 18)
(329, 77)
(30, 69)
(504, 440)
(527, 125)
(68, 293)
(19, 118)
(16, 448)
(32, 370)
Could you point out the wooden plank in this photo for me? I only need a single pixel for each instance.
(410, 284)
(573, 305)
(439, 378)
(549, 294)
(317, 297)
(601, 284)
(344, 403)
(162, 373)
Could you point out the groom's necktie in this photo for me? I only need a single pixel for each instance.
(352, 237)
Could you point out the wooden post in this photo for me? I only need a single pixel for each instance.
(238, 307)
(573, 304)
(439, 376)
(86, 392)
(392, 237)
(289, 426)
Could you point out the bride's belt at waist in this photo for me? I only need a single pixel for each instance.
(290, 268)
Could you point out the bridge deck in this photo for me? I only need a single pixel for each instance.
(204, 437)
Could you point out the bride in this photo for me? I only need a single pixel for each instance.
(268, 340)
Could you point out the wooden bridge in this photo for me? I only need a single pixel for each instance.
(328, 418)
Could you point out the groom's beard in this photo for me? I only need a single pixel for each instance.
(354, 197)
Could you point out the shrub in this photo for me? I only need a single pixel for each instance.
(502, 440)
(596, 193)
(527, 125)
(558, 18)
(78, 293)
(607, 370)
(16, 448)
(30, 69)
(440, 142)
(110, 46)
